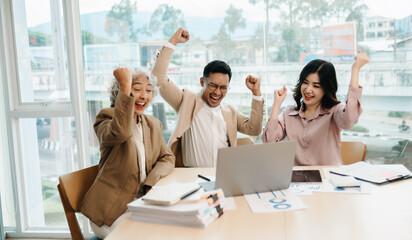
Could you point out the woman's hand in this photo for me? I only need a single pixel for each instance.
(360, 60)
(124, 77)
(280, 96)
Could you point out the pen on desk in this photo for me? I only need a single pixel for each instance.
(190, 193)
(203, 177)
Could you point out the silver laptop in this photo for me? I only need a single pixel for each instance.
(255, 168)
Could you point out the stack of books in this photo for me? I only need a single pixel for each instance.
(198, 210)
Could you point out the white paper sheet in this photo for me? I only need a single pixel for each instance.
(327, 186)
(276, 201)
(303, 188)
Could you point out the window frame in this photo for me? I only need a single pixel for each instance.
(15, 109)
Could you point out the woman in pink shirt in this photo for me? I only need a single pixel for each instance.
(318, 117)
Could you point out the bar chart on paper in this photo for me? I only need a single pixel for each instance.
(274, 201)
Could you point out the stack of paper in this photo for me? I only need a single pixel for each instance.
(192, 213)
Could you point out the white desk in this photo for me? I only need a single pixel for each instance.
(386, 213)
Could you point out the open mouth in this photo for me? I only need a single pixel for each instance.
(140, 106)
(307, 98)
(215, 99)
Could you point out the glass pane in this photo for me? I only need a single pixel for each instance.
(274, 42)
(110, 39)
(49, 151)
(41, 51)
(129, 33)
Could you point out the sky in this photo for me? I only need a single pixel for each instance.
(208, 8)
(396, 9)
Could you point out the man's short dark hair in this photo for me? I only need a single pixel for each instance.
(217, 66)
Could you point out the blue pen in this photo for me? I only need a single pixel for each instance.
(190, 193)
(203, 177)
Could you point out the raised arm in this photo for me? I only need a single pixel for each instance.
(253, 83)
(274, 130)
(114, 127)
(360, 60)
(252, 125)
(171, 93)
(347, 116)
(279, 96)
(180, 36)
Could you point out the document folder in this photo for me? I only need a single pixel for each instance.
(371, 173)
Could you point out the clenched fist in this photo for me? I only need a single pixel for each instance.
(180, 36)
(253, 83)
(124, 77)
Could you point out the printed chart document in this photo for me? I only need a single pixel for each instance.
(371, 173)
(274, 201)
(304, 188)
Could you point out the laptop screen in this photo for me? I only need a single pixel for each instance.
(255, 168)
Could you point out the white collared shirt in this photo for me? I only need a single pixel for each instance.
(207, 134)
(138, 139)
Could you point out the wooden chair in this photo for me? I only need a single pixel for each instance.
(353, 152)
(244, 141)
(72, 188)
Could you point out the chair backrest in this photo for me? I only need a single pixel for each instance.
(72, 188)
(352, 152)
(244, 141)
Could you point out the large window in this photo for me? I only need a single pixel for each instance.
(40, 112)
(47, 142)
(58, 58)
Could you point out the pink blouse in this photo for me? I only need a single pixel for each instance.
(318, 138)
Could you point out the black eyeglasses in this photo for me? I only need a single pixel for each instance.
(212, 87)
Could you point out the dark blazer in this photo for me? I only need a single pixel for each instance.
(118, 180)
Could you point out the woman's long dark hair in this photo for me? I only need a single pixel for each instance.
(328, 82)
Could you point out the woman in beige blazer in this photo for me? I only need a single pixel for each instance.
(134, 155)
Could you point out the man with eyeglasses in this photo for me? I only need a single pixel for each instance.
(204, 123)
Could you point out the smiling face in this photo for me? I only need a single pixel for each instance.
(142, 92)
(311, 90)
(214, 88)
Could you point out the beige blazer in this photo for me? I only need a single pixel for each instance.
(118, 180)
(187, 104)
